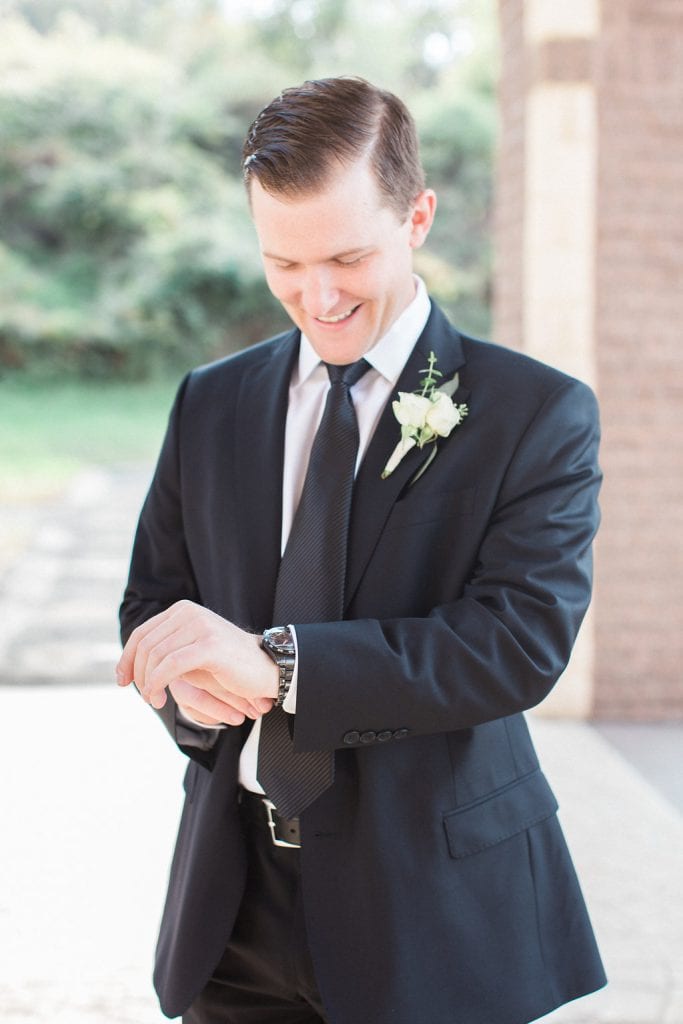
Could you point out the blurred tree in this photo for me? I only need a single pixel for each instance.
(125, 241)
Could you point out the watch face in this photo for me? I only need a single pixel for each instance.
(279, 637)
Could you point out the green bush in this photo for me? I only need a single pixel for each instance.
(126, 247)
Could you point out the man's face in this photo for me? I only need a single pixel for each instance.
(340, 260)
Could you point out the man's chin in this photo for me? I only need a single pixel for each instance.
(339, 354)
(341, 343)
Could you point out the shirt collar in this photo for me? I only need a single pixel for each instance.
(388, 355)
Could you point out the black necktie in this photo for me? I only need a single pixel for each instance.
(310, 584)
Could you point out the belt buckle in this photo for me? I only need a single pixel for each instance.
(272, 825)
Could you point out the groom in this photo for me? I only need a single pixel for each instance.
(341, 618)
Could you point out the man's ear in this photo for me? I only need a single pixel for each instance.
(421, 217)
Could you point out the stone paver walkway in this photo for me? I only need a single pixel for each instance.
(91, 798)
(60, 597)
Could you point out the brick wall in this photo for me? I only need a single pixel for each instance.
(635, 66)
(639, 330)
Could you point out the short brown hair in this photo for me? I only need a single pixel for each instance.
(295, 142)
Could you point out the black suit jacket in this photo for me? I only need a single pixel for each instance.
(436, 881)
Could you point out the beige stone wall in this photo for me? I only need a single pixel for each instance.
(545, 302)
(509, 206)
(589, 277)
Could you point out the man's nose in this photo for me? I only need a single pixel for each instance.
(320, 294)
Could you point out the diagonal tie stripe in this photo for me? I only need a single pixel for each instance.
(310, 583)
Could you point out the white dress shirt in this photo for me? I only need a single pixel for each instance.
(307, 395)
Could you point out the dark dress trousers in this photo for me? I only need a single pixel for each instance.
(437, 885)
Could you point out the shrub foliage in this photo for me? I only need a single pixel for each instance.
(125, 241)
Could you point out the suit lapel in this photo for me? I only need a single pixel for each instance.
(373, 497)
(259, 455)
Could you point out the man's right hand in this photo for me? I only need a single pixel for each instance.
(213, 668)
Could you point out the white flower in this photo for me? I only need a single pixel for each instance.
(442, 415)
(411, 410)
(425, 415)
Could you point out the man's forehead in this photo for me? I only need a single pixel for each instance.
(343, 218)
(331, 173)
(354, 183)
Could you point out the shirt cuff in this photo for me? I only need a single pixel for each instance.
(289, 703)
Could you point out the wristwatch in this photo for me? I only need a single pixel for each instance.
(278, 643)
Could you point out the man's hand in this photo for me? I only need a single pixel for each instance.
(202, 707)
(215, 670)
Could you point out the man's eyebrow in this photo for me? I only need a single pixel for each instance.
(360, 250)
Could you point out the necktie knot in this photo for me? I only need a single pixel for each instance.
(349, 374)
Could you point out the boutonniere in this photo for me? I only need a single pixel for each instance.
(425, 414)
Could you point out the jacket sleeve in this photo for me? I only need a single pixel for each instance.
(161, 574)
(500, 645)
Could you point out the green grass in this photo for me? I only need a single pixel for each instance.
(48, 432)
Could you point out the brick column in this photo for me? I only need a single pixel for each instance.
(639, 319)
(589, 277)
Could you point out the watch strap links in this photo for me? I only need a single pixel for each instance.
(278, 643)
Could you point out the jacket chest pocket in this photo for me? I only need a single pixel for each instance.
(421, 506)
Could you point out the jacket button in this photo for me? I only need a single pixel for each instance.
(400, 734)
(350, 738)
(384, 735)
(368, 737)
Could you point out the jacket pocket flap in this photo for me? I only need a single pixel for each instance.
(501, 816)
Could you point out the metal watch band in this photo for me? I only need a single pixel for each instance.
(286, 667)
(278, 643)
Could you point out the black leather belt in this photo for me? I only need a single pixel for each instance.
(283, 831)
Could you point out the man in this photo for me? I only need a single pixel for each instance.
(412, 869)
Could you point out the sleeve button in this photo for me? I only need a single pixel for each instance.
(384, 735)
(400, 734)
(350, 738)
(368, 737)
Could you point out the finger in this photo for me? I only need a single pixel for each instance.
(124, 666)
(166, 637)
(262, 705)
(206, 681)
(158, 700)
(188, 630)
(177, 627)
(252, 708)
(125, 669)
(199, 702)
(208, 643)
(196, 717)
(181, 654)
(132, 664)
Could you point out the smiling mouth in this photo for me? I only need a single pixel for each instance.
(338, 318)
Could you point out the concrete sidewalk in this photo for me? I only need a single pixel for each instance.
(92, 796)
